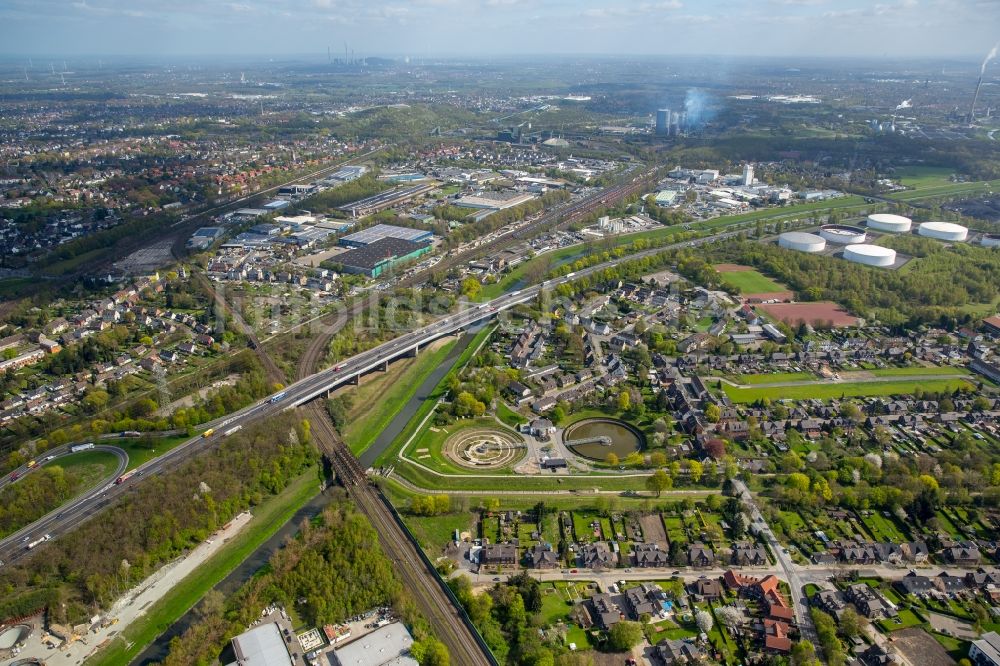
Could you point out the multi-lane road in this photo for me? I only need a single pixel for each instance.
(18, 541)
(316, 385)
(560, 216)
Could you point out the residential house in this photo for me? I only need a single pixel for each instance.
(498, 554)
(700, 555)
(596, 556)
(649, 555)
(541, 556)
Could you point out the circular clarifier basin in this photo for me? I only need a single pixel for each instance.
(596, 438)
(11, 636)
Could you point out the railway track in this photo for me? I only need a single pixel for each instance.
(560, 217)
(446, 618)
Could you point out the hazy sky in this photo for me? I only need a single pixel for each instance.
(893, 28)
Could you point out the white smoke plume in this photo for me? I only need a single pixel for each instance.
(905, 104)
(989, 56)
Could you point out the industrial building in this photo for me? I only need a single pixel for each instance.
(388, 646)
(870, 255)
(493, 200)
(666, 197)
(990, 240)
(662, 121)
(896, 224)
(803, 242)
(203, 238)
(345, 175)
(378, 257)
(383, 200)
(381, 231)
(296, 190)
(946, 231)
(261, 646)
(842, 234)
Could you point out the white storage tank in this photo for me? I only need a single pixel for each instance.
(990, 240)
(803, 242)
(947, 231)
(843, 234)
(896, 224)
(870, 255)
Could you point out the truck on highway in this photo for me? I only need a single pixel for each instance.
(277, 397)
(81, 447)
(208, 433)
(32, 464)
(131, 433)
(124, 477)
(40, 540)
(232, 430)
(569, 275)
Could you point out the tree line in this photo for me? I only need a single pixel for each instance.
(332, 570)
(87, 569)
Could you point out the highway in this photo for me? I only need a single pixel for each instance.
(19, 540)
(560, 216)
(314, 386)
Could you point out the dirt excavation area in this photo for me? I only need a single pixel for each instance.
(86, 640)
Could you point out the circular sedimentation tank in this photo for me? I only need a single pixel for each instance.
(948, 231)
(842, 234)
(896, 224)
(599, 437)
(803, 242)
(11, 636)
(870, 255)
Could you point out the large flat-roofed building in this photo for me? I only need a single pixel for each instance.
(378, 257)
(383, 200)
(382, 231)
(261, 646)
(345, 175)
(204, 237)
(493, 200)
(387, 646)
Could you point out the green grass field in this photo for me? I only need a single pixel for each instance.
(751, 282)
(922, 177)
(883, 529)
(268, 518)
(361, 432)
(425, 408)
(426, 448)
(849, 389)
(919, 371)
(775, 378)
(508, 415)
(138, 453)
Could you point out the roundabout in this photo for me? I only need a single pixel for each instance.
(484, 448)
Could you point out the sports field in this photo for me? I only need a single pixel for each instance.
(750, 282)
(819, 312)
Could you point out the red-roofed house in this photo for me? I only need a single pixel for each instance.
(776, 636)
(992, 325)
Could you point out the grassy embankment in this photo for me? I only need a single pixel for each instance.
(378, 401)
